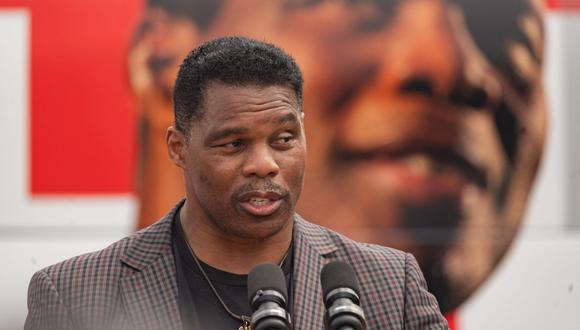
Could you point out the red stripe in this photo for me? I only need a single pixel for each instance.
(564, 5)
(14, 3)
(452, 320)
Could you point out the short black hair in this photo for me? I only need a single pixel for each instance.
(234, 61)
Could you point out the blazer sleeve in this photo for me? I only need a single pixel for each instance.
(421, 308)
(46, 309)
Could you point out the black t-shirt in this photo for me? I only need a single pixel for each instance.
(198, 306)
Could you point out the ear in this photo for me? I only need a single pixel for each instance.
(176, 145)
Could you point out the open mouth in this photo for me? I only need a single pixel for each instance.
(430, 160)
(260, 203)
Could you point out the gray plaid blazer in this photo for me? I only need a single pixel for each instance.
(132, 284)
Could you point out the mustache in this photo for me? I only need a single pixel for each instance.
(267, 186)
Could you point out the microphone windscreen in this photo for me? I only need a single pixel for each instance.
(338, 274)
(266, 277)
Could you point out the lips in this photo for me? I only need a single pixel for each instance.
(260, 203)
(430, 161)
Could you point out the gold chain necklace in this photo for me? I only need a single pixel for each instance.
(242, 318)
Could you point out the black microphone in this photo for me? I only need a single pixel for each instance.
(341, 293)
(267, 294)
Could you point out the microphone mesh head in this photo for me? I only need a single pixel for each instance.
(266, 277)
(338, 274)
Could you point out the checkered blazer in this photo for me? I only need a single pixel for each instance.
(132, 284)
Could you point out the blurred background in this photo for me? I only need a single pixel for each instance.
(444, 128)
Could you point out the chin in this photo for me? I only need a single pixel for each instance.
(261, 228)
(454, 271)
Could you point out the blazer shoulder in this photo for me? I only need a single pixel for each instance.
(393, 289)
(89, 285)
(57, 293)
(85, 265)
(367, 252)
(108, 259)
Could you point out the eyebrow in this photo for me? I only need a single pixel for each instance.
(226, 132)
(287, 118)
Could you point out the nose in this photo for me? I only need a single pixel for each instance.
(432, 55)
(260, 162)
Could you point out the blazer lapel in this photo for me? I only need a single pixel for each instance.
(311, 252)
(149, 286)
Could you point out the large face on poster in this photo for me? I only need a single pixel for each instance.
(424, 118)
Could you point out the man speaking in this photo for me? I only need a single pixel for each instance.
(239, 139)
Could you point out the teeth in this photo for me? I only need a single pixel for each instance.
(420, 164)
(259, 201)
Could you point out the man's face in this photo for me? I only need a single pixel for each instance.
(244, 163)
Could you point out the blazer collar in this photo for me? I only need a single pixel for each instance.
(149, 291)
(151, 243)
(154, 242)
(313, 248)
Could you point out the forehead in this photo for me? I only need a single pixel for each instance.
(222, 102)
(328, 26)
(358, 32)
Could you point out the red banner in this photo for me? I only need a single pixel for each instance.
(563, 4)
(77, 84)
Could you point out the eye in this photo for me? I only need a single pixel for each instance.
(283, 140)
(233, 145)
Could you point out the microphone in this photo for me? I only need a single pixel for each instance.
(341, 292)
(267, 294)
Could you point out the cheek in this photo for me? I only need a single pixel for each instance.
(212, 191)
(204, 179)
(217, 177)
(295, 166)
(201, 179)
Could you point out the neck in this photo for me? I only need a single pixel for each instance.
(233, 254)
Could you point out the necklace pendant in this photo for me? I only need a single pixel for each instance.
(245, 323)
